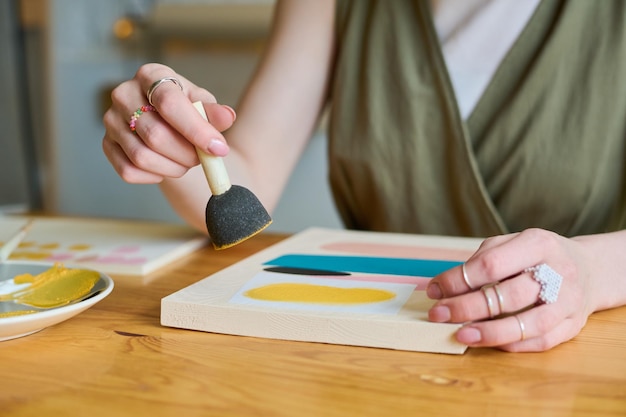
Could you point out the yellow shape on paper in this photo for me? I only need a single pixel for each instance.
(318, 294)
(80, 246)
(49, 246)
(31, 256)
(54, 287)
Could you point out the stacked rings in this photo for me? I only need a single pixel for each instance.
(500, 298)
(137, 114)
(488, 300)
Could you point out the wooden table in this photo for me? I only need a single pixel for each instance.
(115, 359)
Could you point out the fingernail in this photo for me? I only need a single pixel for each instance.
(231, 110)
(218, 147)
(439, 314)
(433, 291)
(468, 335)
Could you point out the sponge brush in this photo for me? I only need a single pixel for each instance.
(235, 216)
(233, 213)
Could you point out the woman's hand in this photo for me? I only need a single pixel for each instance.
(164, 141)
(503, 306)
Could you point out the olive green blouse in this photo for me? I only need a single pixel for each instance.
(544, 147)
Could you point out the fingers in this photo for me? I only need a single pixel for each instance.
(150, 153)
(125, 168)
(497, 259)
(163, 143)
(503, 289)
(537, 329)
(489, 301)
(565, 330)
(221, 116)
(175, 107)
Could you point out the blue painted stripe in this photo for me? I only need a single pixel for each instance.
(366, 264)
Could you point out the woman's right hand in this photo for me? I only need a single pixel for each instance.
(164, 141)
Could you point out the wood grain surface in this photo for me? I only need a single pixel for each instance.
(115, 359)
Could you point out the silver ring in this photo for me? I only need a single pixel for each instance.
(158, 83)
(466, 278)
(500, 298)
(489, 301)
(521, 327)
(550, 282)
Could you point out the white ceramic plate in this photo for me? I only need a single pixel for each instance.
(18, 326)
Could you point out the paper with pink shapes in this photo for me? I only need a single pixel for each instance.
(107, 245)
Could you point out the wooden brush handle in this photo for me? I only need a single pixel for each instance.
(213, 166)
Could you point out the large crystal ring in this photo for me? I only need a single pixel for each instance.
(550, 282)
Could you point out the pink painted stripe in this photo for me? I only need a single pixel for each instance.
(419, 282)
(399, 251)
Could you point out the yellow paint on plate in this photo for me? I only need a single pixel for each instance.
(16, 313)
(54, 287)
(318, 294)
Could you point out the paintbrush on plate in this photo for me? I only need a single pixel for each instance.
(14, 242)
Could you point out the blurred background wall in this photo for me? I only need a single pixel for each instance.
(14, 166)
(60, 60)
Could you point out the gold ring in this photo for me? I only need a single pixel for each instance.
(500, 298)
(521, 327)
(158, 83)
(489, 301)
(465, 277)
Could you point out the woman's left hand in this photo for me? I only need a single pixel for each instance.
(502, 305)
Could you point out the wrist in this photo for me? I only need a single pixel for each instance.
(605, 267)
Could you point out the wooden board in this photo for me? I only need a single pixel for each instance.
(344, 287)
(107, 245)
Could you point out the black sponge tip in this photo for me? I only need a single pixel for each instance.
(235, 216)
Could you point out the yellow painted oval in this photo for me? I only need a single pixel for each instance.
(318, 294)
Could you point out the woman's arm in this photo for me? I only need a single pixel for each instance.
(278, 113)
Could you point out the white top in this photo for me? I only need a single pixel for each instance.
(475, 36)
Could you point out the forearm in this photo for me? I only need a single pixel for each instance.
(188, 196)
(280, 108)
(278, 112)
